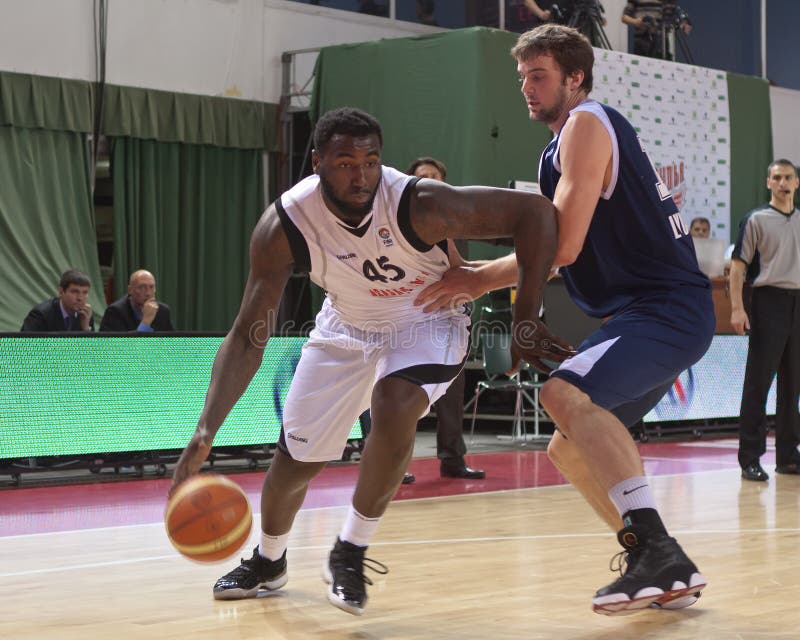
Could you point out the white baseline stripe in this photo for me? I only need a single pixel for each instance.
(722, 444)
(552, 536)
(731, 463)
(257, 516)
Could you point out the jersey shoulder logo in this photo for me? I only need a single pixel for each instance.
(386, 236)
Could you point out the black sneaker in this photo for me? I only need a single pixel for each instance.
(658, 573)
(344, 572)
(250, 577)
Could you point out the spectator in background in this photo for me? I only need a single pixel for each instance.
(526, 14)
(139, 310)
(700, 228)
(70, 311)
(425, 12)
(647, 17)
(450, 446)
(428, 168)
(543, 14)
(766, 252)
(373, 8)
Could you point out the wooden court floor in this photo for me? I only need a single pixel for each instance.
(519, 563)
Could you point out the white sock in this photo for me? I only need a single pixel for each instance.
(272, 547)
(633, 493)
(358, 529)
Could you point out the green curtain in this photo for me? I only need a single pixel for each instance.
(41, 102)
(46, 219)
(133, 112)
(751, 145)
(186, 212)
(454, 96)
(46, 216)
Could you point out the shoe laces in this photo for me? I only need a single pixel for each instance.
(618, 562)
(256, 565)
(353, 563)
(624, 560)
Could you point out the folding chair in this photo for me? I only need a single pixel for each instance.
(496, 349)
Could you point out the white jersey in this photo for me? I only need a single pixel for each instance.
(371, 274)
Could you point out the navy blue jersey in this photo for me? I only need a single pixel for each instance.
(637, 245)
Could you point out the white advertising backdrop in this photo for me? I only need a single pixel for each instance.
(681, 115)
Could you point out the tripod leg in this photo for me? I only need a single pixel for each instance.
(602, 37)
(680, 37)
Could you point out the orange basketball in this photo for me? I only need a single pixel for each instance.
(208, 518)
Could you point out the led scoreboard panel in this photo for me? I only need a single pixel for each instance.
(712, 388)
(75, 395)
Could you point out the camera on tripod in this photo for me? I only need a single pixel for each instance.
(593, 7)
(673, 15)
(564, 12)
(557, 14)
(584, 15)
(659, 29)
(650, 23)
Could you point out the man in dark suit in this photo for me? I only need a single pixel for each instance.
(139, 310)
(68, 312)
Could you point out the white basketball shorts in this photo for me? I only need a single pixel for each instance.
(340, 365)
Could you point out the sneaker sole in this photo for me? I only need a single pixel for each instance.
(241, 594)
(679, 597)
(333, 599)
(682, 598)
(677, 603)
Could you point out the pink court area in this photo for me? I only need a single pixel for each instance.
(142, 501)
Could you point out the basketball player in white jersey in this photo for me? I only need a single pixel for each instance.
(372, 237)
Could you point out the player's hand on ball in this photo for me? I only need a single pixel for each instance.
(192, 458)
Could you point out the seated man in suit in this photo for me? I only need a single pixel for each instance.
(139, 310)
(68, 312)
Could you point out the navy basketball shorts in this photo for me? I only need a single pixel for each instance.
(629, 363)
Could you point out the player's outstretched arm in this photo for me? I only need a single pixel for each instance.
(464, 281)
(439, 211)
(240, 353)
(458, 208)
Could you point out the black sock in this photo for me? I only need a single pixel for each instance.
(648, 518)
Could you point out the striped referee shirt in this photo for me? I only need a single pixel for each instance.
(769, 244)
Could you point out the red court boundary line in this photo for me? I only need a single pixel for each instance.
(141, 501)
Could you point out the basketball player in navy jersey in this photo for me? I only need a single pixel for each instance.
(624, 253)
(372, 237)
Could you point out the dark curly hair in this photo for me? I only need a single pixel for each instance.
(345, 121)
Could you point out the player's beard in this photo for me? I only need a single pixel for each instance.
(552, 114)
(355, 212)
